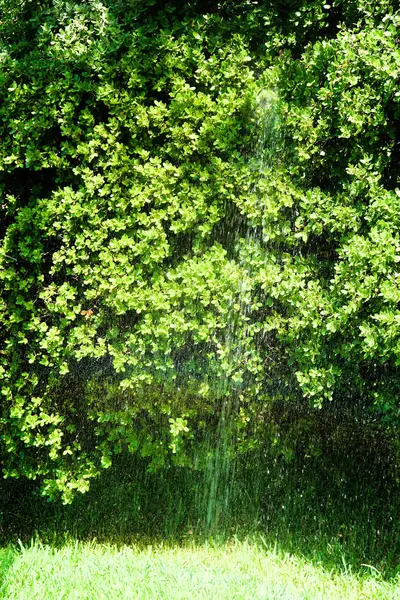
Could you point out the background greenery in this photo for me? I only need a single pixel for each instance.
(199, 248)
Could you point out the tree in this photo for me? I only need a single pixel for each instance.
(343, 124)
(198, 215)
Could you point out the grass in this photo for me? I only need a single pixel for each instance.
(239, 570)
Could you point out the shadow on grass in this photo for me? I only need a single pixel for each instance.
(339, 508)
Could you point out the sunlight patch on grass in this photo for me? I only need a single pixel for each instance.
(236, 571)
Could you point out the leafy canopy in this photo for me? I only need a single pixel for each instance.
(199, 209)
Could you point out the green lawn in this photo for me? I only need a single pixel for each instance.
(239, 570)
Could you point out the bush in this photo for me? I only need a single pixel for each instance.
(199, 216)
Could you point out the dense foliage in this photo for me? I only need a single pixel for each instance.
(199, 214)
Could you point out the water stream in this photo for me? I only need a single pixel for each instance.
(221, 466)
